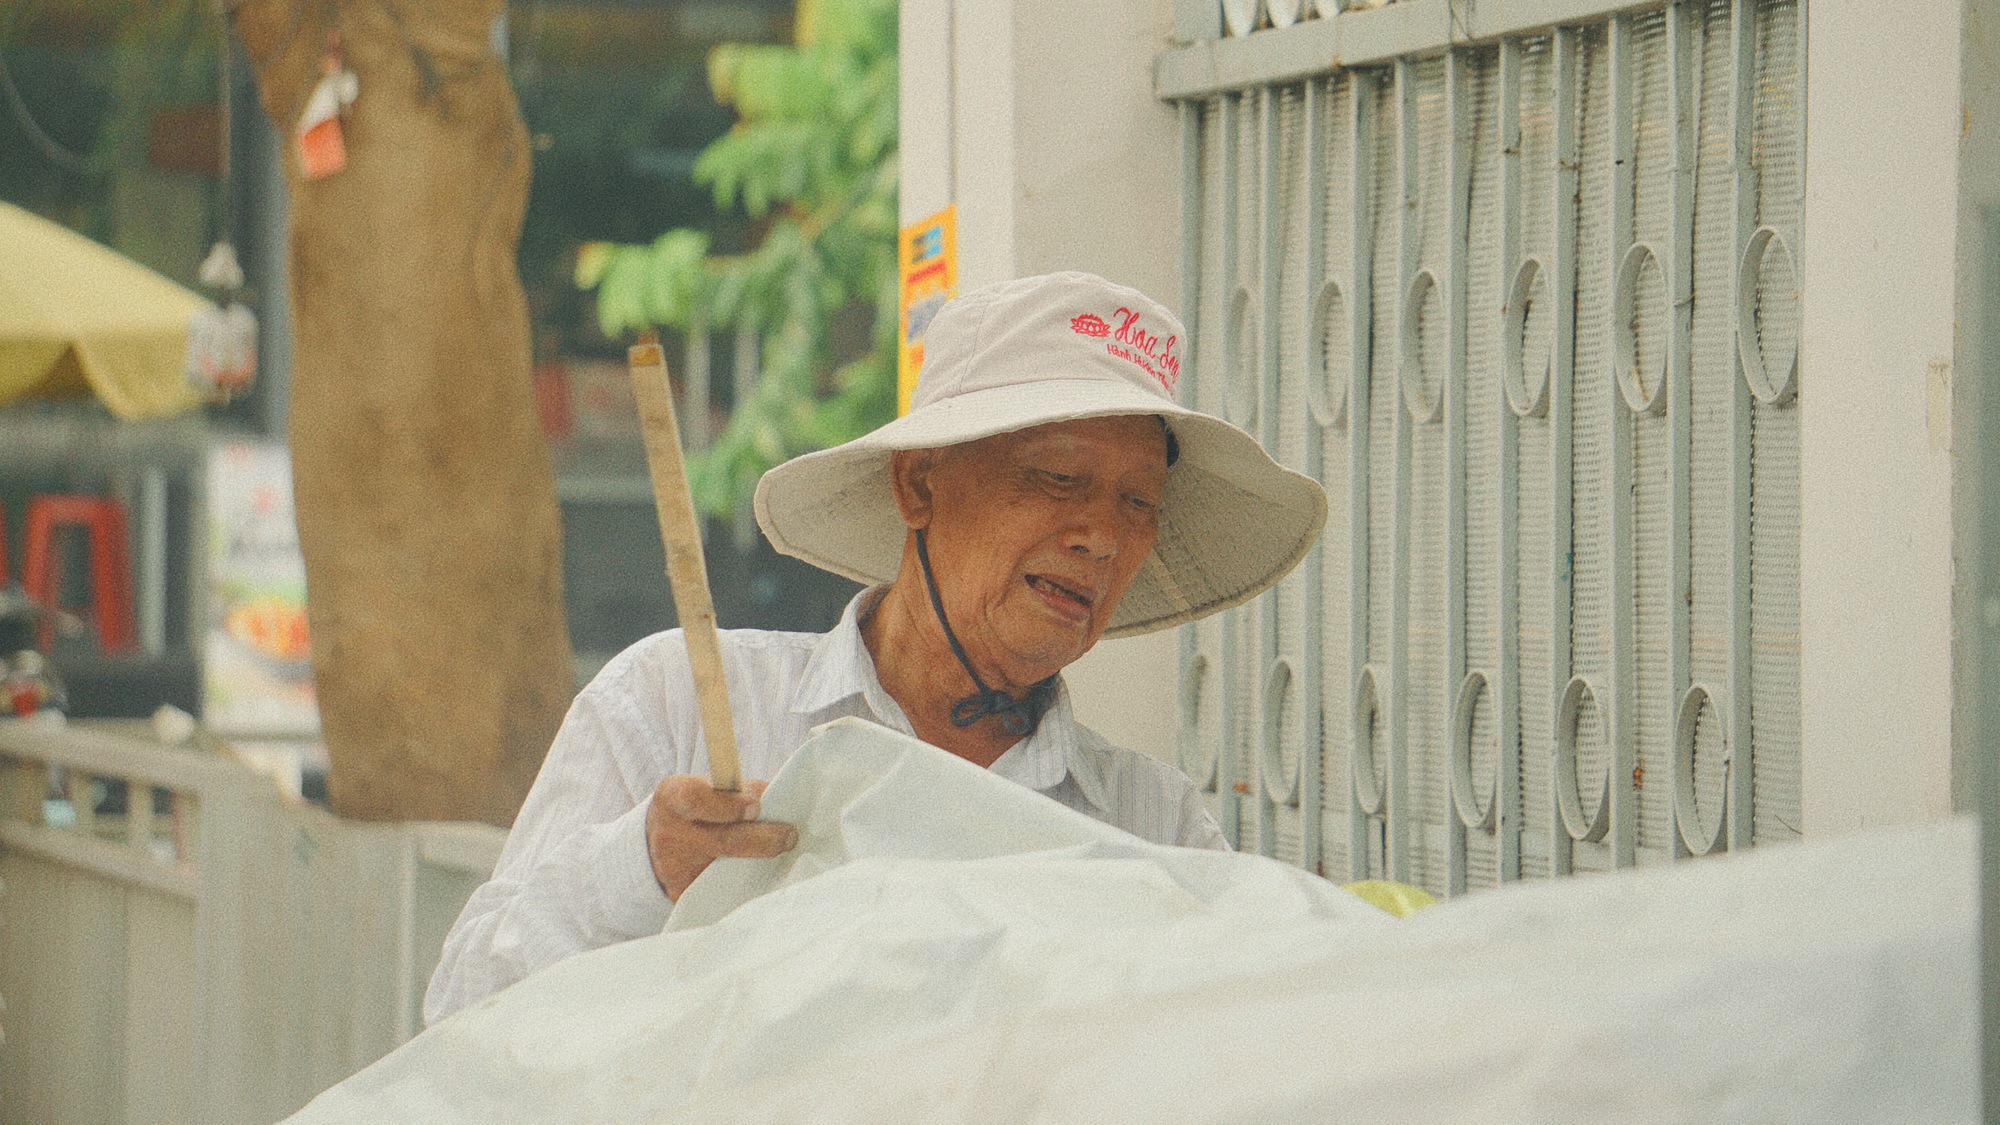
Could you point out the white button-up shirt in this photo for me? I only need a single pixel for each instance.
(575, 876)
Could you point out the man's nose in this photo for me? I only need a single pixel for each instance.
(1093, 527)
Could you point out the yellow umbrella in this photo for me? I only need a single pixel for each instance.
(77, 317)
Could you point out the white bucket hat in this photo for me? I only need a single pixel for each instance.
(1053, 349)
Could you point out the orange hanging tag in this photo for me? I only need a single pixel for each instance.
(322, 147)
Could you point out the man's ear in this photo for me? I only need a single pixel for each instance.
(910, 479)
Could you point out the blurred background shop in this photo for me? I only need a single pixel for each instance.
(117, 122)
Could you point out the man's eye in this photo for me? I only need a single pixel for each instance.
(1060, 478)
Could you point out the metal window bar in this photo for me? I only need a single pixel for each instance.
(1520, 289)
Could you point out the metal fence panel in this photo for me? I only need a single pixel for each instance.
(1523, 296)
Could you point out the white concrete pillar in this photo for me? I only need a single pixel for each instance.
(1876, 464)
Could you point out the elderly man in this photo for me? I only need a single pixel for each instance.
(1044, 490)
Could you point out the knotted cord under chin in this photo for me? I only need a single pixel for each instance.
(1020, 716)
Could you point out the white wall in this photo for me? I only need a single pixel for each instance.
(1040, 123)
(924, 109)
(1882, 134)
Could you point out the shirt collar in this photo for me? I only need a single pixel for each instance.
(841, 668)
(1041, 760)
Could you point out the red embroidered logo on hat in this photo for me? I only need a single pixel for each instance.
(1133, 343)
(1089, 324)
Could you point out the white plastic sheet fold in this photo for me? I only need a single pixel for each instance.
(947, 946)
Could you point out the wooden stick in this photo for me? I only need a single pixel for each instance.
(687, 573)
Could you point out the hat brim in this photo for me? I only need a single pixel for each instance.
(1232, 520)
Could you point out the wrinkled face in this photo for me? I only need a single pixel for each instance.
(1034, 536)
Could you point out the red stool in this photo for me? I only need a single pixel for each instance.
(110, 565)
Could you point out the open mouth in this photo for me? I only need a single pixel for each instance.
(1056, 589)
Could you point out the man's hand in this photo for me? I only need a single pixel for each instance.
(690, 824)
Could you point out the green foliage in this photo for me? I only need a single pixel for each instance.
(813, 156)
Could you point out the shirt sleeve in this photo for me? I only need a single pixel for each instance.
(574, 874)
(1198, 828)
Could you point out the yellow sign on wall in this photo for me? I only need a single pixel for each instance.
(927, 253)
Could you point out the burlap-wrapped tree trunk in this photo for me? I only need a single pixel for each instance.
(426, 504)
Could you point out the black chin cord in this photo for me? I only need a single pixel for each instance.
(1019, 716)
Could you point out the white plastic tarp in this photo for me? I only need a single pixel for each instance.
(947, 946)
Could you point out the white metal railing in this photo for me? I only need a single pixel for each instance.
(215, 952)
(1522, 294)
